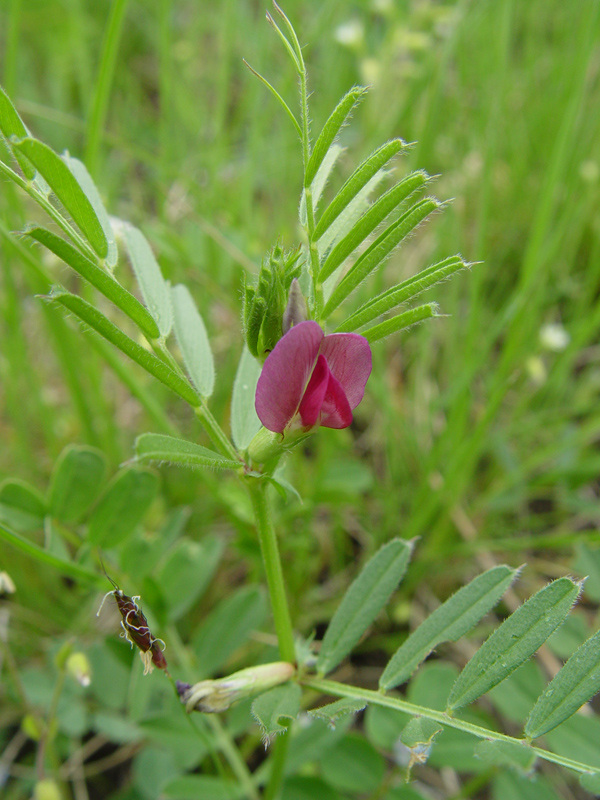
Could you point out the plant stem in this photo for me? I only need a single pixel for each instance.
(216, 433)
(377, 698)
(280, 751)
(270, 553)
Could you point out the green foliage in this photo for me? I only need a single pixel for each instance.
(477, 436)
(161, 448)
(363, 601)
(193, 341)
(274, 709)
(155, 290)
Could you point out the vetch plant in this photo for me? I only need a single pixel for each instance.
(305, 365)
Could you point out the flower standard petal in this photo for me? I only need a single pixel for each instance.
(310, 407)
(285, 375)
(349, 358)
(335, 410)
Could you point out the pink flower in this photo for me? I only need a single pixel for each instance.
(311, 379)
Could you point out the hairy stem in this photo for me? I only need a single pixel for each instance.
(270, 553)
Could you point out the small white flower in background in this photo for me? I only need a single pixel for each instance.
(382, 6)
(554, 337)
(370, 70)
(350, 34)
(6, 584)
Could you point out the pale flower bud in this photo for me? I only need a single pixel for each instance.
(218, 695)
(79, 668)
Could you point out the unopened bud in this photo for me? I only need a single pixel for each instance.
(31, 727)
(79, 668)
(46, 790)
(218, 695)
(6, 584)
(296, 310)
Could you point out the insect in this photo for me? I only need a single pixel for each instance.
(136, 630)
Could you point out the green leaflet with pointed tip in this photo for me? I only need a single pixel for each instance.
(245, 423)
(371, 219)
(159, 447)
(280, 703)
(65, 186)
(100, 279)
(334, 712)
(379, 250)
(448, 623)
(11, 125)
(96, 320)
(85, 180)
(363, 601)
(400, 322)
(193, 341)
(404, 291)
(76, 482)
(122, 506)
(419, 731)
(330, 130)
(155, 289)
(514, 641)
(357, 181)
(576, 683)
(506, 754)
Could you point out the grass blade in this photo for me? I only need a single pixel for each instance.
(369, 221)
(148, 361)
(193, 341)
(514, 641)
(576, 683)
(68, 568)
(359, 178)
(158, 447)
(330, 130)
(101, 280)
(448, 623)
(65, 186)
(401, 321)
(155, 290)
(379, 250)
(404, 291)
(363, 601)
(84, 179)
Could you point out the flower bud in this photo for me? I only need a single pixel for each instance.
(265, 303)
(218, 695)
(46, 790)
(7, 585)
(296, 310)
(79, 668)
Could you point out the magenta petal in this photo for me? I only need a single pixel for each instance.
(285, 374)
(335, 410)
(310, 407)
(349, 359)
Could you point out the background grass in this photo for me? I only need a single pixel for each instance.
(476, 434)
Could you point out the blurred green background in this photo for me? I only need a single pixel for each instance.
(479, 431)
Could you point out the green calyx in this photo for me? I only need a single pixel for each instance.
(265, 302)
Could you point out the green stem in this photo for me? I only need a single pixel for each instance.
(376, 698)
(278, 759)
(215, 431)
(270, 553)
